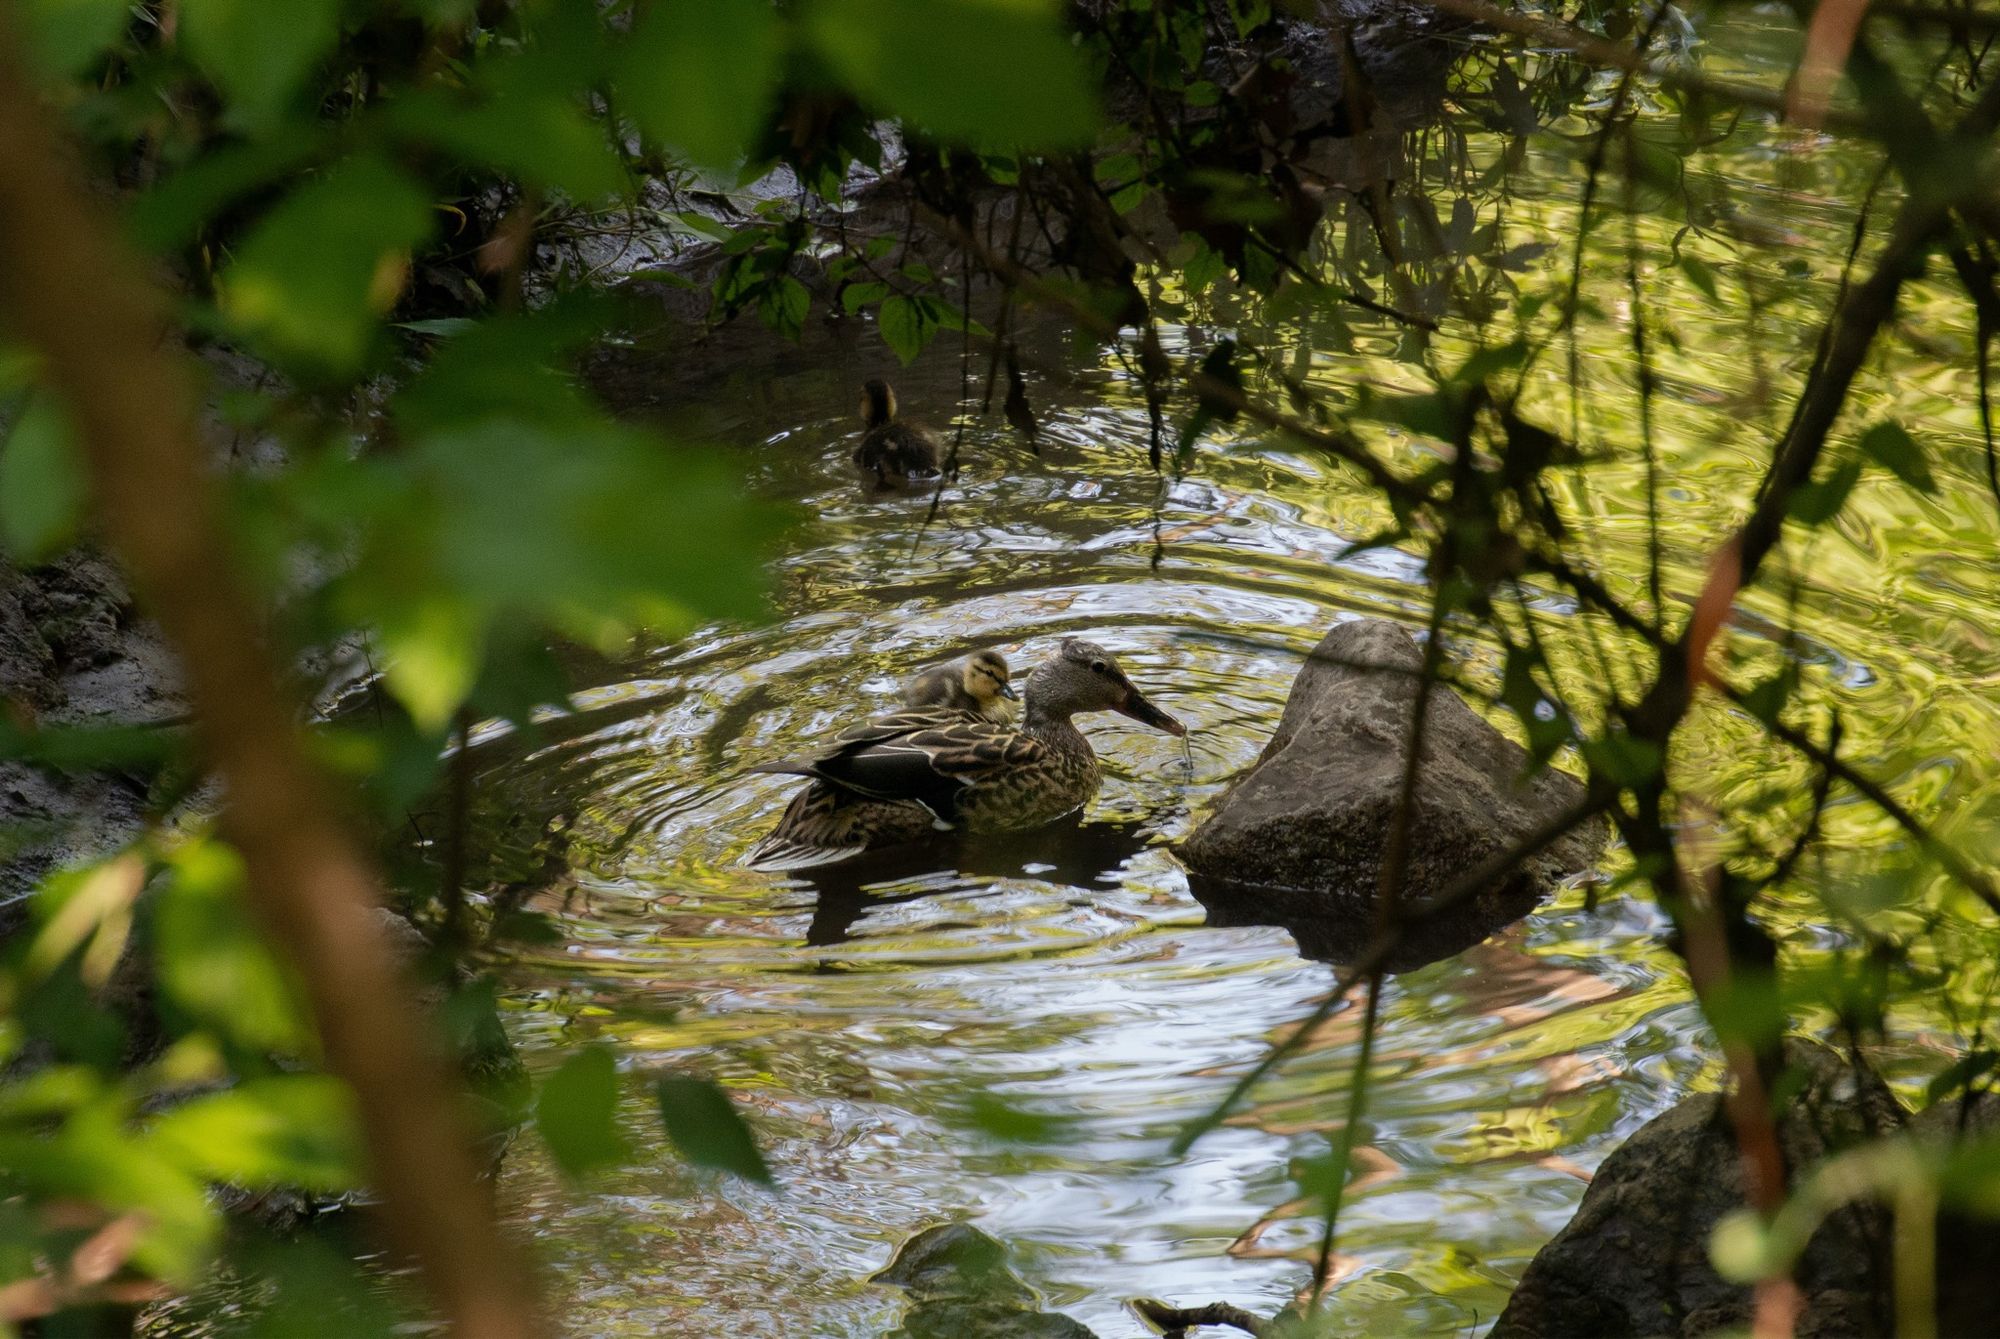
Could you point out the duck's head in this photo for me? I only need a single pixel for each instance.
(878, 402)
(1083, 676)
(985, 678)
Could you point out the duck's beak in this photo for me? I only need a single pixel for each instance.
(1139, 709)
(1007, 691)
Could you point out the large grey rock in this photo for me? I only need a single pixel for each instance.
(1298, 839)
(1634, 1260)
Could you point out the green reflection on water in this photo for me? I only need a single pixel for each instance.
(854, 1026)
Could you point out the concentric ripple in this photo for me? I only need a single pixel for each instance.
(893, 1033)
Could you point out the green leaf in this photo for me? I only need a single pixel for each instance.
(259, 52)
(784, 305)
(1819, 501)
(699, 75)
(172, 212)
(1889, 446)
(284, 1130)
(856, 296)
(64, 36)
(707, 1129)
(577, 1112)
(906, 327)
(1702, 275)
(212, 964)
(318, 271)
(992, 73)
(542, 137)
(41, 482)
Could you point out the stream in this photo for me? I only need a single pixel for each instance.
(1011, 1034)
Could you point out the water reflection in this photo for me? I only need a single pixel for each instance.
(866, 1019)
(1070, 852)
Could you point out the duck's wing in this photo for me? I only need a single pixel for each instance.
(931, 765)
(879, 730)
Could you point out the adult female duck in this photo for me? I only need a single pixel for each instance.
(904, 775)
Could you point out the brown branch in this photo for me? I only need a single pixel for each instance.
(71, 288)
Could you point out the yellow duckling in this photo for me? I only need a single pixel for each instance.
(977, 685)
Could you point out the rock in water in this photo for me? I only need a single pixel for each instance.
(1634, 1261)
(958, 1278)
(1299, 837)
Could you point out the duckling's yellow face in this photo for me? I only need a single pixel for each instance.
(985, 677)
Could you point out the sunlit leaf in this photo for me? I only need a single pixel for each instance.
(315, 276)
(259, 52)
(577, 1112)
(987, 72)
(431, 648)
(707, 1129)
(212, 964)
(700, 74)
(289, 1129)
(41, 482)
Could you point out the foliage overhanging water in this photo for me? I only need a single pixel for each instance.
(891, 1043)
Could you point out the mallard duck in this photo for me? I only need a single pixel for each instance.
(892, 449)
(976, 686)
(906, 774)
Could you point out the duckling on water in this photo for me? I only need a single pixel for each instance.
(976, 686)
(892, 449)
(903, 775)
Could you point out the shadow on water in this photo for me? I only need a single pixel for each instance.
(1338, 927)
(1069, 852)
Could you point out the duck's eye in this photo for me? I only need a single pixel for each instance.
(1099, 667)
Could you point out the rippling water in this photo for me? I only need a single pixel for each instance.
(865, 1025)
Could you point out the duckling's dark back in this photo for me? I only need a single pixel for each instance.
(897, 450)
(891, 449)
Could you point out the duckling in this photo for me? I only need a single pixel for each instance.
(901, 776)
(894, 450)
(976, 686)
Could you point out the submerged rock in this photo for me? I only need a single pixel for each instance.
(1634, 1260)
(963, 1289)
(1298, 839)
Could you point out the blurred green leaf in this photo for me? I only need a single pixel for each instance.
(577, 1112)
(701, 74)
(172, 212)
(320, 269)
(259, 52)
(707, 1129)
(1889, 446)
(41, 482)
(517, 123)
(1000, 1119)
(212, 964)
(994, 73)
(282, 1130)
(64, 36)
